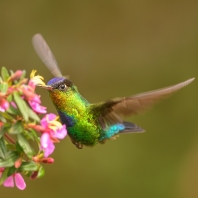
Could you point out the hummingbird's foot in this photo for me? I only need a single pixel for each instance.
(79, 145)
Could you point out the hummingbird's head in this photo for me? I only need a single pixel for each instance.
(58, 84)
(61, 90)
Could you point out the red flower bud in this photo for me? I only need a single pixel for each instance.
(34, 175)
(48, 160)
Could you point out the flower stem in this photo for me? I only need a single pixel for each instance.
(9, 138)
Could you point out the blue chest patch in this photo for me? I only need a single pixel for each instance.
(65, 119)
(112, 130)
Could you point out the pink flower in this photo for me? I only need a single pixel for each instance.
(52, 130)
(47, 119)
(4, 104)
(60, 133)
(37, 107)
(32, 98)
(32, 85)
(17, 178)
(47, 145)
(53, 127)
(30, 95)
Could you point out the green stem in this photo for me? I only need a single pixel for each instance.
(9, 138)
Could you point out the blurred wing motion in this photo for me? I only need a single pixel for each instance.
(111, 112)
(43, 51)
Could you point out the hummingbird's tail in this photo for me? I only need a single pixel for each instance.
(131, 128)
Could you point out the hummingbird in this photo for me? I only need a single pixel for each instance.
(91, 123)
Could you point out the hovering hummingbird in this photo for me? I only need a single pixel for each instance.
(89, 124)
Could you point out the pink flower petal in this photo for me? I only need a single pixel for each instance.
(4, 105)
(32, 84)
(19, 181)
(47, 118)
(16, 75)
(37, 107)
(2, 109)
(60, 133)
(9, 182)
(47, 145)
(13, 104)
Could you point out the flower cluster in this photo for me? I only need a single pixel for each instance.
(20, 123)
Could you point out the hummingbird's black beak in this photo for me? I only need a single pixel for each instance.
(48, 87)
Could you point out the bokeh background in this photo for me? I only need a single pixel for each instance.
(109, 49)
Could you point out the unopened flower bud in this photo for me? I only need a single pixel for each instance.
(48, 160)
(16, 75)
(17, 163)
(4, 104)
(34, 175)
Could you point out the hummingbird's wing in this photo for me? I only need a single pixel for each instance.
(112, 111)
(43, 51)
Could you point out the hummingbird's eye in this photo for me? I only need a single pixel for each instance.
(62, 87)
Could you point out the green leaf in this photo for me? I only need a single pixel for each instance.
(4, 73)
(41, 172)
(2, 131)
(7, 116)
(18, 148)
(25, 145)
(2, 119)
(3, 87)
(4, 176)
(9, 98)
(21, 105)
(30, 134)
(12, 110)
(33, 115)
(16, 128)
(11, 157)
(11, 171)
(23, 75)
(11, 147)
(3, 149)
(28, 166)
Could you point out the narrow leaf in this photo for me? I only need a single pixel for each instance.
(41, 172)
(7, 116)
(3, 87)
(21, 105)
(3, 149)
(12, 110)
(23, 75)
(28, 166)
(2, 119)
(11, 157)
(16, 128)
(2, 131)
(11, 171)
(25, 145)
(4, 73)
(33, 115)
(4, 176)
(28, 134)
(18, 148)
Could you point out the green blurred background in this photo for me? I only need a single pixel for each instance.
(115, 48)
